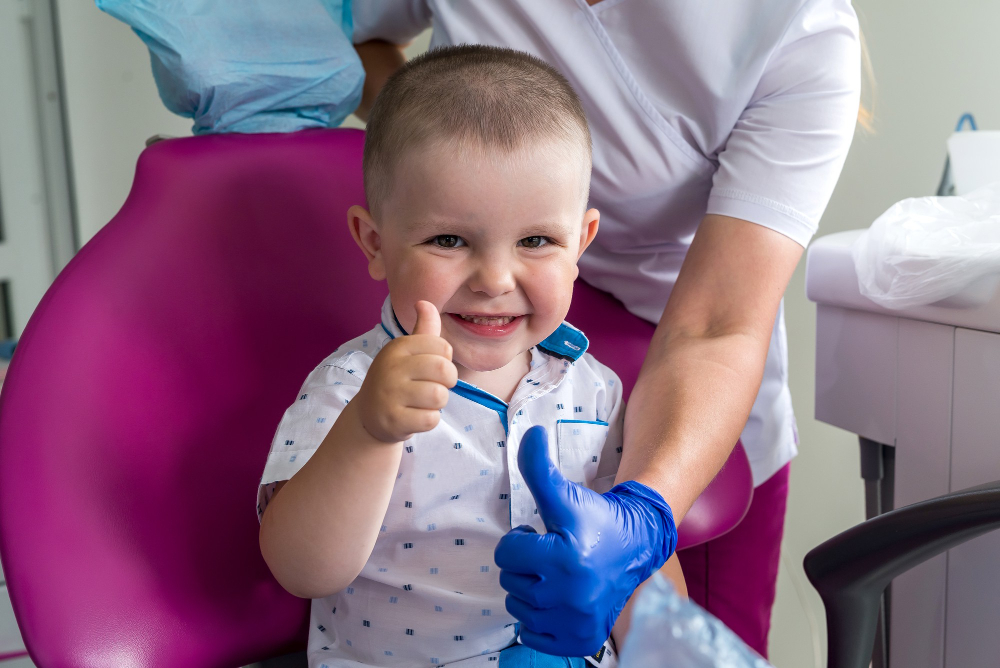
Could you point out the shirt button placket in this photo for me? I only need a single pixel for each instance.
(513, 476)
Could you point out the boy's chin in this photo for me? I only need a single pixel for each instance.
(484, 363)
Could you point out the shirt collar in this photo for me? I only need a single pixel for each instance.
(567, 342)
(389, 322)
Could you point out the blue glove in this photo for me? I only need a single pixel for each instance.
(251, 65)
(568, 586)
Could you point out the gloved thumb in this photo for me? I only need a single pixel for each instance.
(553, 494)
(428, 319)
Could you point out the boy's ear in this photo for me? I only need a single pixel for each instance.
(591, 221)
(366, 235)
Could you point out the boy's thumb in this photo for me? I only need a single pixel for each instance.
(428, 319)
(553, 494)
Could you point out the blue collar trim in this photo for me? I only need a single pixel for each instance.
(389, 321)
(483, 398)
(396, 320)
(567, 343)
(389, 326)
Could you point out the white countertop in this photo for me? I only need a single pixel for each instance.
(831, 280)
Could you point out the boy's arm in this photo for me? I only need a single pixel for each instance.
(317, 534)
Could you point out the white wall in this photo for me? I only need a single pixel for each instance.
(112, 108)
(933, 61)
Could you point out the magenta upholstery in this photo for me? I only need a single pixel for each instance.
(139, 408)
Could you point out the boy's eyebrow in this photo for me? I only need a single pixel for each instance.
(545, 228)
(431, 225)
(540, 228)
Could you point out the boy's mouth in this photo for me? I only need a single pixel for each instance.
(493, 326)
(488, 320)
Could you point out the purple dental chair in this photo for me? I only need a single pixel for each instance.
(139, 408)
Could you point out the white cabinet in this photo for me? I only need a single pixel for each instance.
(853, 345)
(926, 381)
(973, 613)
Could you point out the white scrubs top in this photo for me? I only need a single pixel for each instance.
(744, 108)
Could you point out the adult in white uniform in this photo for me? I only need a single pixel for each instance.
(719, 132)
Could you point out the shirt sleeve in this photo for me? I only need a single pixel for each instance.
(785, 153)
(306, 423)
(395, 21)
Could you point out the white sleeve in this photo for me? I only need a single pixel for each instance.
(395, 21)
(306, 423)
(785, 154)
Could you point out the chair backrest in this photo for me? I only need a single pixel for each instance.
(140, 405)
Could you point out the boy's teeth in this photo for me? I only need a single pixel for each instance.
(492, 322)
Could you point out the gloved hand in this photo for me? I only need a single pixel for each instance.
(568, 586)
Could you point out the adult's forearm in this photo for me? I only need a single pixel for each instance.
(706, 360)
(319, 529)
(686, 412)
(380, 60)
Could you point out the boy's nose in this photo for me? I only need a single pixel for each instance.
(493, 278)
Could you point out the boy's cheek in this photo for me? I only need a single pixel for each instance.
(410, 282)
(557, 276)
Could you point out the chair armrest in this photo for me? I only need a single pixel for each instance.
(851, 570)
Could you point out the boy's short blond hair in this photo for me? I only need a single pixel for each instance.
(485, 96)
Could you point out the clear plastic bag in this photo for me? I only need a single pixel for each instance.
(930, 250)
(668, 631)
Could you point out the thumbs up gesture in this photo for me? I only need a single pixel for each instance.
(568, 586)
(408, 382)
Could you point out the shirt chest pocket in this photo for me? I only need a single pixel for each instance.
(581, 444)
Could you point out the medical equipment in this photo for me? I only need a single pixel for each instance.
(249, 66)
(919, 386)
(973, 159)
(141, 402)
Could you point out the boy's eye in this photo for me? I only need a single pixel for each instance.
(448, 241)
(534, 242)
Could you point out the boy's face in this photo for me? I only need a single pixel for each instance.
(491, 240)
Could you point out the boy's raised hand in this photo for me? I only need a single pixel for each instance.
(408, 382)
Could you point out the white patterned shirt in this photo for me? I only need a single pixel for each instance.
(430, 594)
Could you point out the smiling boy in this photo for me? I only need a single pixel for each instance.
(403, 442)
